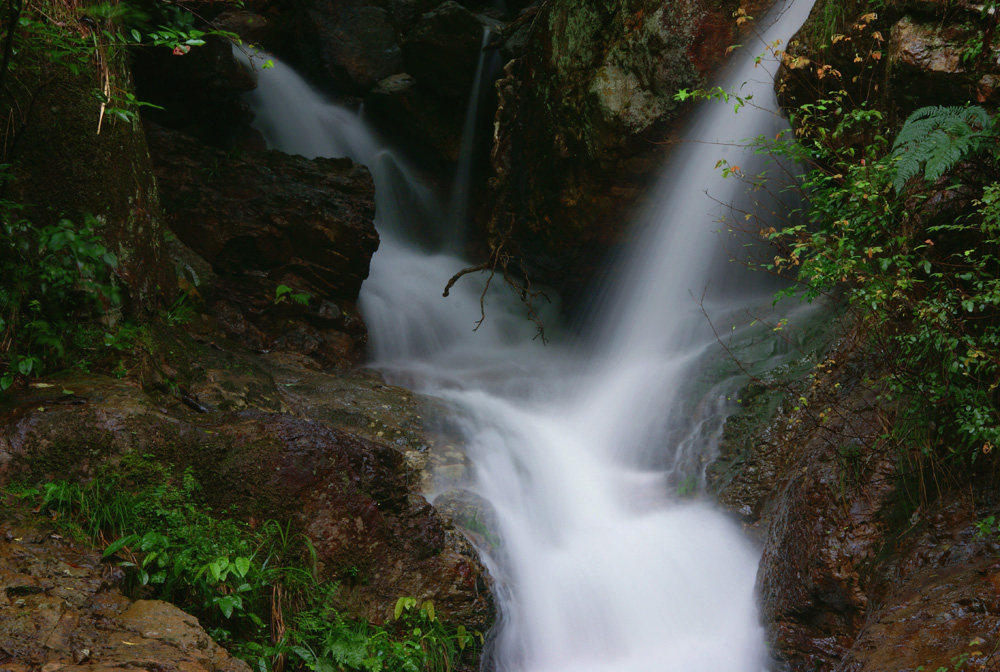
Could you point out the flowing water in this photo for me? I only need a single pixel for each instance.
(580, 445)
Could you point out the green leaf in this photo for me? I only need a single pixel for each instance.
(119, 544)
(242, 566)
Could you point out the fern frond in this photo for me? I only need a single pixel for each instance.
(937, 138)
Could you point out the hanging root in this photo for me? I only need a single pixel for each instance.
(501, 260)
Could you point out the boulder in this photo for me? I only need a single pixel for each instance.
(59, 612)
(911, 54)
(415, 116)
(937, 596)
(928, 63)
(579, 117)
(266, 219)
(871, 557)
(71, 158)
(443, 50)
(351, 43)
(198, 93)
(352, 496)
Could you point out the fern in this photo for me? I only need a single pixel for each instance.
(936, 138)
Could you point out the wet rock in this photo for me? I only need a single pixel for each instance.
(354, 497)
(68, 161)
(443, 49)
(936, 596)
(198, 93)
(352, 44)
(254, 29)
(266, 219)
(59, 614)
(579, 117)
(474, 515)
(413, 115)
(928, 63)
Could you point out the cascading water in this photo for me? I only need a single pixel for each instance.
(602, 569)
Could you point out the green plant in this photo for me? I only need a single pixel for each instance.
(284, 292)
(50, 278)
(235, 577)
(181, 311)
(937, 138)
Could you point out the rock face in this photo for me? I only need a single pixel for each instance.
(71, 161)
(871, 559)
(57, 613)
(909, 55)
(417, 117)
(197, 93)
(352, 496)
(578, 117)
(353, 44)
(443, 50)
(265, 219)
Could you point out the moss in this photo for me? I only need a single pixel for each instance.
(64, 168)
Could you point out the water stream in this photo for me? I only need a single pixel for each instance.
(580, 445)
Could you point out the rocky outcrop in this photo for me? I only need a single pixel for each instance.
(871, 556)
(443, 50)
(266, 219)
(908, 55)
(579, 118)
(417, 117)
(198, 93)
(72, 157)
(354, 497)
(58, 613)
(349, 43)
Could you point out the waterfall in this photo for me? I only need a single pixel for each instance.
(458, 207)
(578, 446)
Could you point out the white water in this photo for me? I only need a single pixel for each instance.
(603, 569)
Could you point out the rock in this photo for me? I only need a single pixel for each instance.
(59, 614)
(198, 93)
(254, 29)
(62, 167)
(266, 219)
(913, 54)
(352, 43)
(579, 116)
(927, 65)
(414, 116)
(443, 50)
(352, 496)
(475, 515)
(937, 594)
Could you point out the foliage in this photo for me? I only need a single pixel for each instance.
(284, 292)
(938, 138)
(255, 589)
(50, 277)
(78, 39)
(922, 282)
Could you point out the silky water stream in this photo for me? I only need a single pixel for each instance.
(581, 445)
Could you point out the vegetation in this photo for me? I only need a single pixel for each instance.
(254, 588)
(58, 280)
(905, 234)
(51, 279)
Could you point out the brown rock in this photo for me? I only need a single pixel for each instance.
(353, 43)
(352, 496)
(443, 49)
(579, 119)
(56, 613)
(264, 219)
(414, 115)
